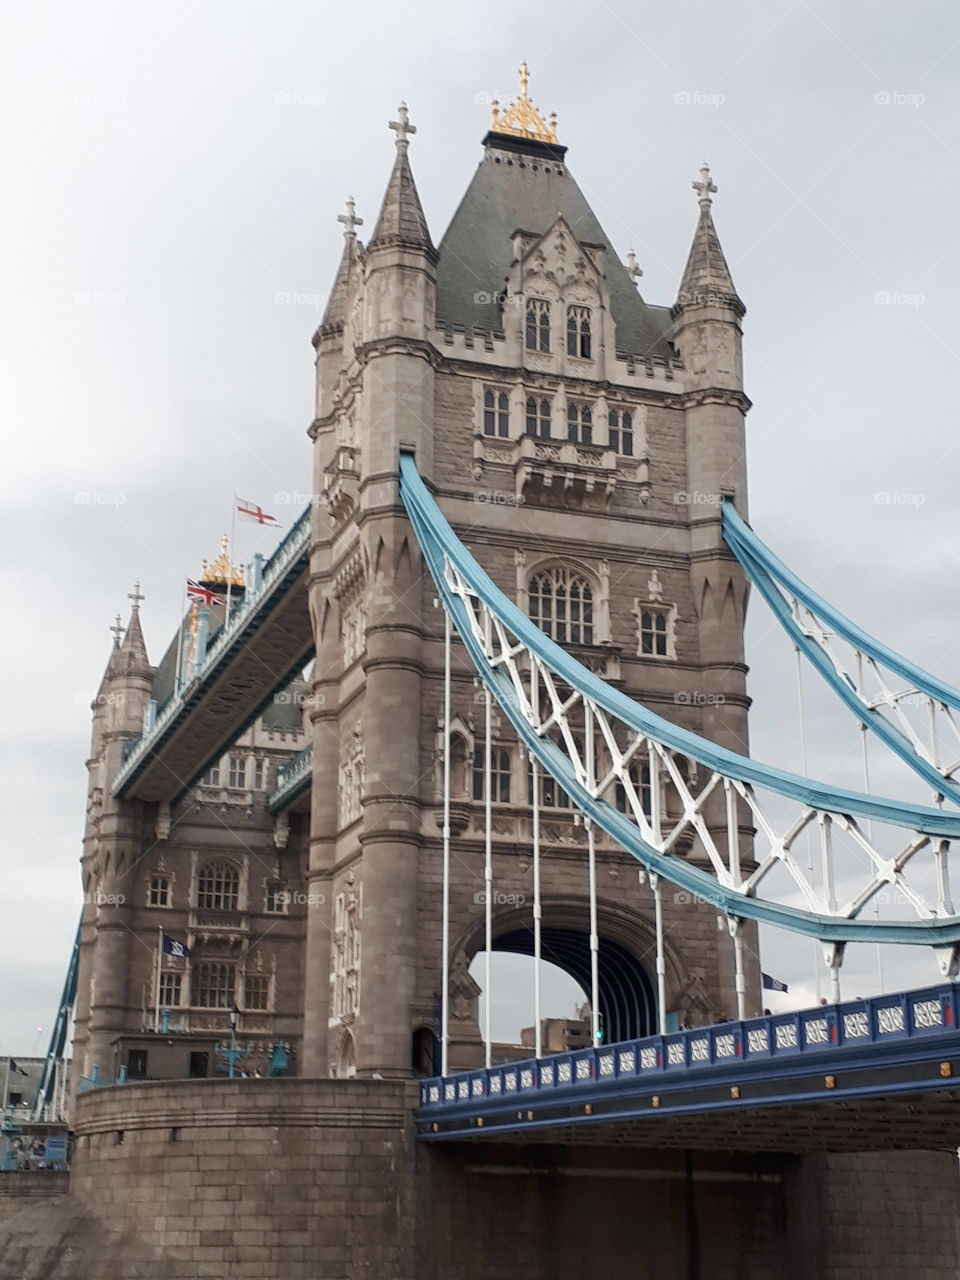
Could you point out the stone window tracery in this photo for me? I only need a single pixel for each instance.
(496, 413)
(560, 602)
(256, 992)
(578, 332)
(538, 417)
(538, 324)
(579, 422)
(213, 985)
(159, 892)
(620, 431)
(499, 774)
(346, 954)
(218, 887)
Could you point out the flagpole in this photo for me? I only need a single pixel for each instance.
(6, 1085)
(176, 674)
(230, 554)
(156, 1021)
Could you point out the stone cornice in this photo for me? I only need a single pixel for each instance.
(729, 396)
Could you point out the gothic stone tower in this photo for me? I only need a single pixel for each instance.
(578, 439)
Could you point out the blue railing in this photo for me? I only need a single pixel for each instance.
(294, 544)
(827, 1028)
(291, 777)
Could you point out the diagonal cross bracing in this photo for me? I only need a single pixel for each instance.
(689, 777)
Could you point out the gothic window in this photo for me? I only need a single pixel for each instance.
(496, 413)
(499, 774)
(277, 898)
(354, 630)
(351, 790)
(213, 985)
(640, 778)
(159, 894)
(620, 433)
(552, 795)
(170, 987)
(212, 778)
(237, 776)
(579, 423)
(256, 991)
(259, 773)
(561, 604)
(538, 324)
(654, 632)
(538, 417)
(218, 887)
(578, 332)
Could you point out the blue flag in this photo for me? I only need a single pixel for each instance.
(19, 1070)
(773, 984)
(172, 947)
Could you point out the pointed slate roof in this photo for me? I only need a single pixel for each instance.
(525, 185)
(133, 652)
(706, 274)
(112, 669)
(402, 220)
(335, 314)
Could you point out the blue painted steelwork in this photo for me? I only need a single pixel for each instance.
(58, 1037)
(441, 546)
(292, 780)
(855, 1034)
(771, 577)
(294, 546)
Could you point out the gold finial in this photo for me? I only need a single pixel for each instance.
(222, 571)
(521, 118)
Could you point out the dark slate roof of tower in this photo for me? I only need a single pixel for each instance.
(524, 186)
(706, 272)
(401, 220)
(133, 651)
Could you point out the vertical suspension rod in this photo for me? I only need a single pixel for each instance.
(445, 940)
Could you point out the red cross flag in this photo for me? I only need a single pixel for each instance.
(250, 511)
(203, 594)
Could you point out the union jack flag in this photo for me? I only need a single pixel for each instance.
(250, 511)
(203, 594)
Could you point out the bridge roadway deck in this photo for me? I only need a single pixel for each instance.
(864, 1075)
(267, 642)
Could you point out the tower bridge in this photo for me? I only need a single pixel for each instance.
(490, 693)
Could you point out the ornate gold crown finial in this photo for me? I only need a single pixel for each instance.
(521, 118)
(222, 572)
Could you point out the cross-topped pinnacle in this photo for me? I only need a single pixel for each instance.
(402, 127)
(350, 220)
(633, 270)
(524, 78)
(117, 630)
(136, 597)
(706, 187)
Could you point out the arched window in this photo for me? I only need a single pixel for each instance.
(256, 991)
(218, 887)
(496, 413)
(579, 423)
(538, 417)
(159, 893)
(552, 795)
(561, 604)
(213, 985)
(277, 898)
(578, 332)
(499, 774)
(538, 324)
(654, 632)
(620, 431)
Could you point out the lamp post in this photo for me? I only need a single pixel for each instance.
(233, 1053)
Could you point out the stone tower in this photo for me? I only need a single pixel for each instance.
(578, 439)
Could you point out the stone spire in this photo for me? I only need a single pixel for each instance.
(113, 666)
(707, 278)
(133, 651)
(402, 220)
(335, 314)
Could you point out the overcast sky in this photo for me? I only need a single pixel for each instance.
(172, 176)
